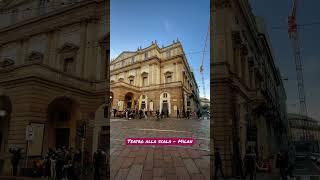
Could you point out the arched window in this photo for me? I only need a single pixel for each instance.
(165, 95)
(144, 79)
(146, 55)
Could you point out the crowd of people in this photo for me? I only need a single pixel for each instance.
(129, 113)
(66, 164)
(248, 166)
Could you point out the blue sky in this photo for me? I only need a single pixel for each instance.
(275, 13)
(138, 23)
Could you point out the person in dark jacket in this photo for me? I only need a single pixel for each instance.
(76, 165)
(217, 163)
(16, 156)
(98, 163)
(250, 163)
(188, 114)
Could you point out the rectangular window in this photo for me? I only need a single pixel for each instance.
(146, 55)
(168, 54)
(132, 59)
(145, 81)
(169, 79)
(131, 81)
(67, 65)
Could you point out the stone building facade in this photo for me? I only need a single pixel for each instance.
(304, 131)
(53, 74)
(154, 78)
(248, 97)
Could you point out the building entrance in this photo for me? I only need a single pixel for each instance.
(62, 137)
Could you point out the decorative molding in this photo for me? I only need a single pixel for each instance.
(6, 62)
(222, 4)
(35, 56)
(68, 47)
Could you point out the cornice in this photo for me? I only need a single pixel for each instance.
(221, 4)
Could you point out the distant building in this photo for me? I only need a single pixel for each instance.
(304, 131)
(154, 78)
(205, 104)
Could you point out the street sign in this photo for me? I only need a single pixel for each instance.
(29, 133)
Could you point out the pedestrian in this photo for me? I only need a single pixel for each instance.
(283, 165)
(47, 166)
(59, 163)
(188, 114)
(250, 163)
(291, 161)
(53, 161)
(16, 156)
(86, 161)
(76, 165)
(167, 113)
(114, 112)
(217, 163)
(178, 116)
(98, 161)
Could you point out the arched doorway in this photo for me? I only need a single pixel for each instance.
(5, 111)
(63, 115)
(143, 102)
(128, 99)
(165, 104)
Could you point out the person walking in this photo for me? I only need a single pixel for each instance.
(217, 164)
(178, 116)
(98, 161)
(53, 160)
(114, 112)
(283, 163)
(188, 114)
(86, 162)
(250, 163)
(59, 163)
(47, 166)
(15, 159)
(76, 164)
(291, 161)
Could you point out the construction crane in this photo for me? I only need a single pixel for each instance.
(201, 66)
(294, 37)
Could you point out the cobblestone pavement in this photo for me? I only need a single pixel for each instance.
(160, 162)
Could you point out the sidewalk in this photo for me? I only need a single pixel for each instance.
(262, 176)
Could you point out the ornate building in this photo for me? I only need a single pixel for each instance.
(53, 74)
(304, 132)
(155, 79)
(247, 90)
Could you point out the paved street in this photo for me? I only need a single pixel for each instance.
(163, 162)
(306, 170)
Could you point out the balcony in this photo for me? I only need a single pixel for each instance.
(40, 71)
